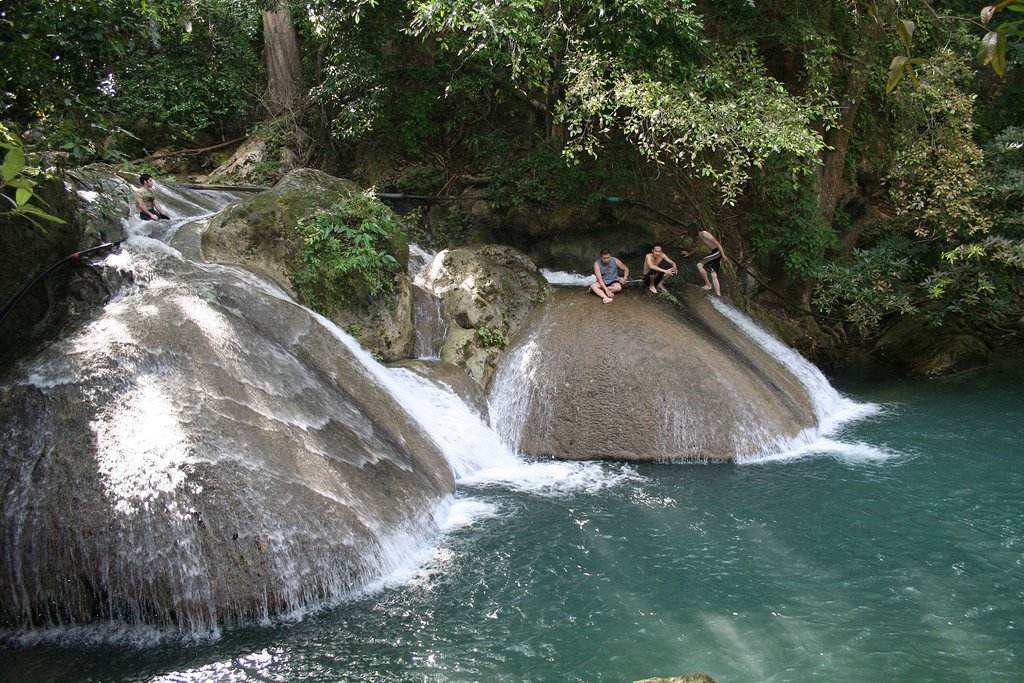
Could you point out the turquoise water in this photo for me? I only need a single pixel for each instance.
(899, 555)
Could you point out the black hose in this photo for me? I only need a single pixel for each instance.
(31, 283)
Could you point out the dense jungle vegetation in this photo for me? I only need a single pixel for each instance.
(862, 159)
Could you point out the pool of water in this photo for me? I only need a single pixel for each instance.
(895, 552)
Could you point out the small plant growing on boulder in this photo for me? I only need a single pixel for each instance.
(492, 337)
(348, 254)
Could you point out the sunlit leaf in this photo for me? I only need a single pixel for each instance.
(905, 28)
(895, 72)
(999, 55)
(14, 162)
(987, 47)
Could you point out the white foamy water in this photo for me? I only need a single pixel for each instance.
(477, 454)
(832, 409)
(558, 277)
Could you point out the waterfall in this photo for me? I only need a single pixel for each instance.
(832, 408)
(429, 325)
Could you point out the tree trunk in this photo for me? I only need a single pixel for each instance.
(284, 69)
(833, 189)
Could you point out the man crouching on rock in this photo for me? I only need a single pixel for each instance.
(606, 270)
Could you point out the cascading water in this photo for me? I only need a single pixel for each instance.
(832, 408)
(232, 454)
(214, 446)
(428, 321)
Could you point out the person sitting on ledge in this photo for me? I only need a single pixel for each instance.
(606, 270)
(654, 273)
(145, 200)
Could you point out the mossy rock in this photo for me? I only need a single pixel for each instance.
(919, 349)
(260, 234)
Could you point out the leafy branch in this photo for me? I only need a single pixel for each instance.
(13, 175)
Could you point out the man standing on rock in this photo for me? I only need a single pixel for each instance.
(709, 262)
(654, 273)
(606, 270)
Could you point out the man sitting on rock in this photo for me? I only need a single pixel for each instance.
(655, 273)
(606, 270)
(145, 200)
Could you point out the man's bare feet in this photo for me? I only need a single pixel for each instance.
(707, 287)
(653, 289)
(607, 299)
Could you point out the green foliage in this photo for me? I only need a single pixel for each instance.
(935, 171)
(632, 69)
(190, 82)
(543, 174)
(344, 257)
(57, 55)
(14, 176)
(869, 285)
(490, 336)
(956, 238)
(83, 75)
(1004, 182)
(992, 46)
(420, 180)
(787, 220)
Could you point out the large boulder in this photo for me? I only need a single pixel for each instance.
(260, 235)
(486, 293)
(204, 452)
(643, 379)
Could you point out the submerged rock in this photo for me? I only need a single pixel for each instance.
(685, 678)
(203, 452)
(643, 379)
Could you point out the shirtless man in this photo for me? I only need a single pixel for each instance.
(654, 273)
(709, 262)
(145, 200)
(606, 270)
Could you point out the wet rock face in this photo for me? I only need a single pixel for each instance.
(920, 350)
(259, 235)
(489, 287)
(454, 378)
(93, 202)
(643, 379)
(202, 453)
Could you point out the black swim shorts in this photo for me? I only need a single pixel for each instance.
(712, 260)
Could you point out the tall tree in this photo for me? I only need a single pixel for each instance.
(281, 54)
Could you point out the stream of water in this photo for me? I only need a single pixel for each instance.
(891, 550)
(888, 544)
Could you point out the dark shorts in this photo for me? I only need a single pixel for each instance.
(161, 216)
(712, 260)
(656, 275)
